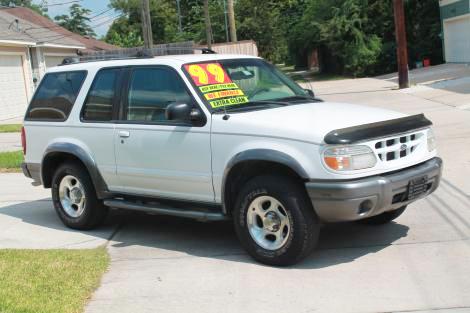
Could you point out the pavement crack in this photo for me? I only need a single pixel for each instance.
(427, 310)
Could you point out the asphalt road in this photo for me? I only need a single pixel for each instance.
(162, 264)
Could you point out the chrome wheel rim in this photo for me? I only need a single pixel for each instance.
(72, 196)
(268, 223)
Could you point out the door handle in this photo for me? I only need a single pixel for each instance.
(124, 134)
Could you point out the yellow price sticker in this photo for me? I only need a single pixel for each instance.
(223, 94)
(229, 101)
(218, 87)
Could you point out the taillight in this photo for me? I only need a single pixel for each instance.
(23, 140)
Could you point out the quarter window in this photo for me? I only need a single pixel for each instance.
(151, 90)
(56, 95)
(99, 102)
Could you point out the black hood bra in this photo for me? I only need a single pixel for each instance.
(382, 129)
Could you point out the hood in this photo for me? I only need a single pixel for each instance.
(306, 122)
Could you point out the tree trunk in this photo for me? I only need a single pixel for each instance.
(146, 25)
(207, 18)
(231, 19)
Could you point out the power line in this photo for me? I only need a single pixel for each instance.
(49, 28)
(60, 36)
(62, 3)
(100, 13)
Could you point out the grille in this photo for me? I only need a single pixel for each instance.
(399, 147)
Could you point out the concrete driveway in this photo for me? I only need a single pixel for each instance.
(28, 219)
(163, 264)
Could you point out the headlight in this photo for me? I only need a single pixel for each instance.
(348, 158)
(431, 140)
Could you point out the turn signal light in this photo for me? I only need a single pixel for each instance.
(348, 158)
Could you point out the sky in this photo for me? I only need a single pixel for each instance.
(100, 24)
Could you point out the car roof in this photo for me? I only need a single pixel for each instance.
(172, 60)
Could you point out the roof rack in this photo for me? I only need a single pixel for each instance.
(134, 53)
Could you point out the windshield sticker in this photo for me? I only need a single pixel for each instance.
(229, 101)
(223, 94)
(207, 74)
(218, 87)
(214, 83)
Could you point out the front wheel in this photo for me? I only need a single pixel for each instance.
(275, 221)
(383, 218)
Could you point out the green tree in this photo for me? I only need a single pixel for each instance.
(127, 40)
(260, 20)
(162, 13)
(337, 28)
(423, 31)
(26, 3)
(77, 21)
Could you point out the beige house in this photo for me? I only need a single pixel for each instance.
(29, 44)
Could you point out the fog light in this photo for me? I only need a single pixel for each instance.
(365, 207)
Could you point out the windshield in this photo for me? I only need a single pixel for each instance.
(244, 84)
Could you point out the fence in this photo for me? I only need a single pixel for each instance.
(247, 47)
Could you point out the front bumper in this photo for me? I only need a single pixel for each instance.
(337, 201)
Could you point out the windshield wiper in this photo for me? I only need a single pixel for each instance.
(253, 105)
(283, 103)
(301, 97)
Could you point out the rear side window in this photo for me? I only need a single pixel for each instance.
(99, 102)
(56, 95)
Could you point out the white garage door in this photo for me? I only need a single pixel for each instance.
(13, 97)
(52, 61)
(457, 40)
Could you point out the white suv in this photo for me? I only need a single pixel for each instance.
(216, 137)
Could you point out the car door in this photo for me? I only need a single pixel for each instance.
(154, 156)
(97, 118)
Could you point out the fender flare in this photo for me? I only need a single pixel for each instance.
(80, 153)
(268, 155)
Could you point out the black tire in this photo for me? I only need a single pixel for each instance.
(303, 221)
(383, 218)
(94, 212)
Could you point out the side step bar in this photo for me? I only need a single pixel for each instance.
(198, 215)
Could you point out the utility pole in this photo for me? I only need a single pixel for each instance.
(207, 19)
(402, 53)
(180, 25)
(226, 21)
(146, 25)
(231, 21)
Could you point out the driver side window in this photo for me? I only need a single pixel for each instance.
(151, 90)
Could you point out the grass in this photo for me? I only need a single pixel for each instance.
(10, 128)
(11, 161)
(49, 281)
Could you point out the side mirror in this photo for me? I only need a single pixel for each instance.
(183, 112)
(310, 92)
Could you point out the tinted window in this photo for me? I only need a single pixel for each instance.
(99, 102)
(56, 95)
(151, 90)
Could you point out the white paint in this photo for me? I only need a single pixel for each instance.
(457, 39)
(13, 88)
(184, 162)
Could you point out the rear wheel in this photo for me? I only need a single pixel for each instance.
(275, 221)
(383, 218)
(74, 197)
